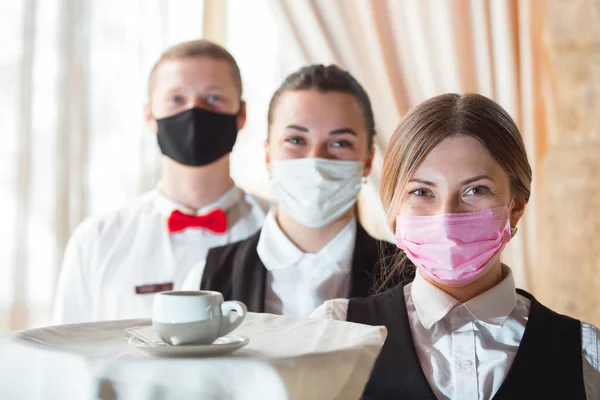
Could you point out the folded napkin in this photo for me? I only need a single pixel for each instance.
(276, 336)
(146, 334)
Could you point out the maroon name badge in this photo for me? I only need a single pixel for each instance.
(154, 288)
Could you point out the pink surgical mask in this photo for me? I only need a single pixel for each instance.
(454, 249)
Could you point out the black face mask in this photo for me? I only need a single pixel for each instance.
(197, 137)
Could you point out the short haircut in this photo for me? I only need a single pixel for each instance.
(197, 48)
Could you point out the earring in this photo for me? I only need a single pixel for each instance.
(513, 231)
(364, 179)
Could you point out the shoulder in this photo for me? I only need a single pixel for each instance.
(247, 215)
(231, 262)
(227, 259)
(590, 341)
(332, 309)
(241, 245)
(258, 204)
(109, 224)
(338, 308)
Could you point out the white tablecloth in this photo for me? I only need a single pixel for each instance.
(287, 358)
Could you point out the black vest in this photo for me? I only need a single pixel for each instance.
(237, 272)
(548, 363)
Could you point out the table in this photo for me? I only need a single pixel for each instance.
(287, 358)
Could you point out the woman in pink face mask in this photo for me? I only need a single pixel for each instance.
(455, 183)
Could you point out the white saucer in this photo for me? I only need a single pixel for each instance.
(223, 345)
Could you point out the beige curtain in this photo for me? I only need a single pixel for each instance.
(568, 271)
(405, 51)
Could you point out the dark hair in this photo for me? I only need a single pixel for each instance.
(326, 79)
(432, 122)
(197, 48)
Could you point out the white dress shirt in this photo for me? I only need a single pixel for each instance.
(466, 350)
(298, 282)
(110, 255)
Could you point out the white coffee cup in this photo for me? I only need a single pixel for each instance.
(194, 317)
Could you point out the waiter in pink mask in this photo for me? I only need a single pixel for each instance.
(455, 184)
(115, 262)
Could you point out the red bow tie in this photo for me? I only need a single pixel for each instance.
(215, 221)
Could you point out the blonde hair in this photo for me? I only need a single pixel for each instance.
(429, 124)
(197, 48)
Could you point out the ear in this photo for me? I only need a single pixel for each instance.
(517, 211)
(369, 162)
(267, 157)
(149, 120)
(241, 118)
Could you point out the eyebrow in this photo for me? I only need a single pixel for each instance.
(174, 89)
(465, 182)
(297, 128)
(422, 181)
(185, 87)
(343, 131)
(340, 131)
(476, 178)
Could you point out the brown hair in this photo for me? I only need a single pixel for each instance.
(197, 48)
(432, 122)
(326, 79)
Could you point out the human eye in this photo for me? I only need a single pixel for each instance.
(421, 192)
(342, 143)
(213, 99)
(478, 191)
(295, 140)
(176, 99)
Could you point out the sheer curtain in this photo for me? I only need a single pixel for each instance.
(74, 81)
(405, 51)
(252, 38)
(73, 75)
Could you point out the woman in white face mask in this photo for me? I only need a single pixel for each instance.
(455, 183)
(311, 248)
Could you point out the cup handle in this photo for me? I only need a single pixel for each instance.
(226, 309)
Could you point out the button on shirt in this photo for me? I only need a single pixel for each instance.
(298, 282)
(109, 256)
(466, 350)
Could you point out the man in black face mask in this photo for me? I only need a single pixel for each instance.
(115, 262)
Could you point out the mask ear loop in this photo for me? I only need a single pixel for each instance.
(513, 229)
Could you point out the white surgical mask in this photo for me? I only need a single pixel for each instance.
(316, 191)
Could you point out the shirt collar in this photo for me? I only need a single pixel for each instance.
(277, 251)
(166, 205)
(491, 307)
